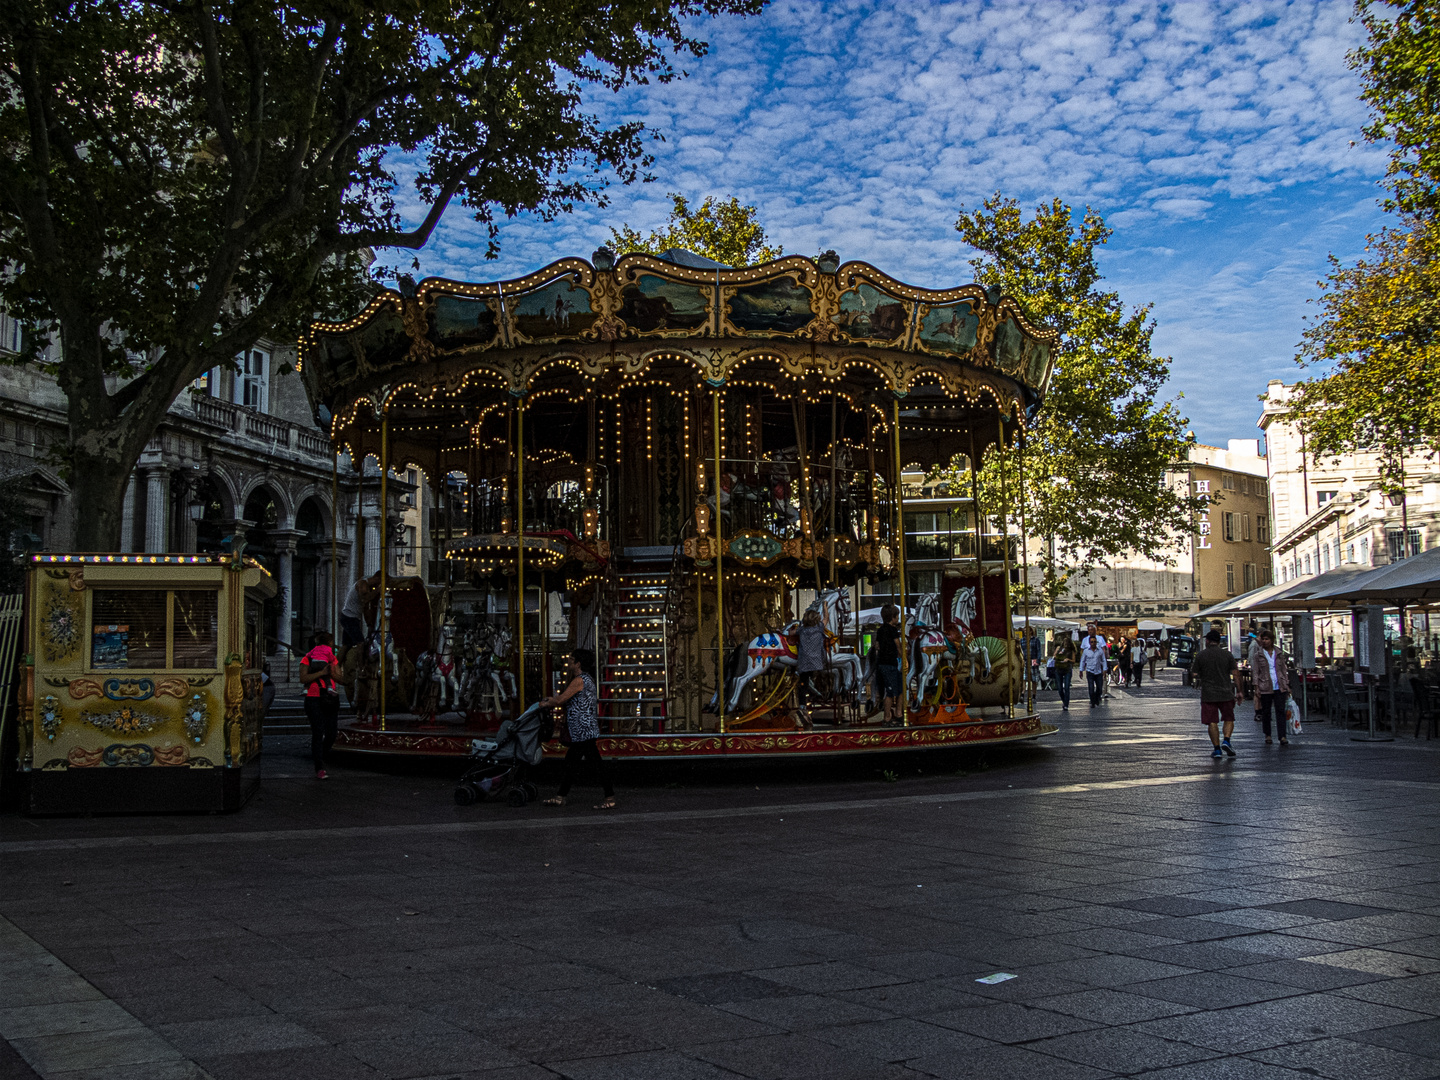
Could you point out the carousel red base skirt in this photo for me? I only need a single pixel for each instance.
(932, 729)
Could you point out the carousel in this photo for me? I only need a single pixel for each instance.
(670, 462)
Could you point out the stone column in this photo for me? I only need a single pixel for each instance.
(157, 506)
(127, 516)
(336, 591)
(372, 541)
(284, 541)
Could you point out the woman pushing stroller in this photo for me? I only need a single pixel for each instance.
(582, 720)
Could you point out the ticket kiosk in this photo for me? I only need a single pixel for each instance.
(141, 683)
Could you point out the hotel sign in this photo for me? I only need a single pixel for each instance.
(1202, 487)
(1119, 609)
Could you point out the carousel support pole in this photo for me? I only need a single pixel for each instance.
(719, 585)
(802, 458)
(1005, 561)
(449, 527)
(334, 541)
(520, 533)
(1025, 581)
(900, 562)
(699, 496)
(834, 449)
(381, 620)
(979, 538)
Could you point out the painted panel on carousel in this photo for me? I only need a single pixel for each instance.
(459, 322)
(868, 314)
(559, 310)
(653, 305)
(950, 328)
(1036, 358)
(377, 343)
(1010, 356)
(755, 547)
(779, 306)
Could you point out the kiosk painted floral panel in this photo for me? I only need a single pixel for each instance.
(781, 306)
(653, 303)
(866, 312)
(950, 328)
(560, 309)
(458, 321)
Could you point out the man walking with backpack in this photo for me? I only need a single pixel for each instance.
(1218, 674)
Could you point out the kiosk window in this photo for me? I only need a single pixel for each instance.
(129, 628)
(196, 633)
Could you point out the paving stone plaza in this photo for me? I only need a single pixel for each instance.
(1164, 915)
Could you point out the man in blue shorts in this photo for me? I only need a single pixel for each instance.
(1218, 676)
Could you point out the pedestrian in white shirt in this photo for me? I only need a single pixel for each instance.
(1137, 659)
(1095, 663)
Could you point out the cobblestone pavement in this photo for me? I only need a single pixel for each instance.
(1164, 915)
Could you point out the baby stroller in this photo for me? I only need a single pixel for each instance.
(499, 766)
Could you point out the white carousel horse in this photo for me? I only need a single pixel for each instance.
(392, 657)
(437, 676)
(849, 667)
(778, 647)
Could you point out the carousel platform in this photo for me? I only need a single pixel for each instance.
(946, 728)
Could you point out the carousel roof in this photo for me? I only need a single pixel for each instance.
(615, 319)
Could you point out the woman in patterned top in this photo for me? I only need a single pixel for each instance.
(583, 722)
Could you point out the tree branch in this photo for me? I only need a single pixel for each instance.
(215, 83)
(417, 237)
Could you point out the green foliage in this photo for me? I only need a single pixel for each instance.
(1095, 457)
(1375, 342)
(1378, 338)
(181, 179)
(1402, 85)
(724, 231)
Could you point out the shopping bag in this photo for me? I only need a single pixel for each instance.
(1292, 718)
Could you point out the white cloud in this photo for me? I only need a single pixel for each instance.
(864, 126)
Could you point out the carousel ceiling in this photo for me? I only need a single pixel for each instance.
(576, 327)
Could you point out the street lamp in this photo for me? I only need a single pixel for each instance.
(1397, 498)
(197, 510)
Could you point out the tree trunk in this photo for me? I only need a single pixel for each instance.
(108, 433)
(97, 486)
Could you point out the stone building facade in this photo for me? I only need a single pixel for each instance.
(239, 452)
(1331, 511)
(1226, 553)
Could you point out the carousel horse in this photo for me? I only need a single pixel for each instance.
(372, 662)
(437, 676)
(764, 651)
(933, 647)
(487, 672)
(501, 663)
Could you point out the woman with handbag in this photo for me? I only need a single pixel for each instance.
(318, 672)
(582, 723)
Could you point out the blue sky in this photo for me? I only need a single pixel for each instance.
(1220, 140)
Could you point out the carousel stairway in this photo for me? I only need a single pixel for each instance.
(632, 690)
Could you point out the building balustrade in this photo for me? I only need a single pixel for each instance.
(279, 435)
